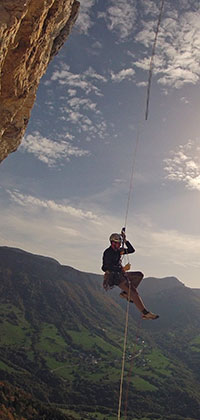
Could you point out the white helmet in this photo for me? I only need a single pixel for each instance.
(115, 237)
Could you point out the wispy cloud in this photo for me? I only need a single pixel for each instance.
(51, 205)
(95, 49)
(90, 72)
(86, 118)
(184, 165)
(120, 17)
(123, 74)
(167, 248)
(71, 92)
(141, 84)
(78, 103)
(77, 231)
(97, 45)
(84, 21)
(184, 100)
(177, 60)
(84, 81)
(150, 8)
(176, 248)
(79, 109)
(49, 151)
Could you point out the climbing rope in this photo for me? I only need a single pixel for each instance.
(131, 368)
(135, 151)
(152, 59)
(126, 215)
(124, 354)
(130, 191)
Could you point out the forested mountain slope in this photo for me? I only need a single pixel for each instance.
(62, 338)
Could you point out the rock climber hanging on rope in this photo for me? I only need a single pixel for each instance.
(116, 275)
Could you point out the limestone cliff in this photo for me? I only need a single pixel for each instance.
(31, 33)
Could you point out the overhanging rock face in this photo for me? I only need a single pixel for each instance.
(31, 33)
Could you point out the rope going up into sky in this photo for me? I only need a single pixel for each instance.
(152, 59)
(124, 354)
(129, 290)
(132, 175)
(127, 210)
(146, 110)
(131, 368)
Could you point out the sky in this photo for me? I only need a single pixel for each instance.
(66, 188)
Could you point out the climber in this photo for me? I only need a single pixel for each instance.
(116, 275)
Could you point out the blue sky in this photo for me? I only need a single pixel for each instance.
(66, 188)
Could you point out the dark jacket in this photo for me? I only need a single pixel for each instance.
(112, 258)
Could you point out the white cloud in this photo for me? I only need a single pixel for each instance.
(177, 59)
(147, 34)
(49, 151)
(78, 113)
(184, 100)
(176, 248)
(90, 72)
(97, 45)
(84, 21)
(68, 136)
(51, 205)
(81, 111)
(95, 49)
(184, 166)
(149, 7)
(71, 92)
(141, 84)
(85, 81)
(123, 74)
(77, 103)
(77, 238)
(120, 17)
(69, 231)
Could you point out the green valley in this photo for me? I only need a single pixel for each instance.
(62, 340)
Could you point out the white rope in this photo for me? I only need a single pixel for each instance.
(135, 151)
(128, 203)
(152, 59)
(124, 355)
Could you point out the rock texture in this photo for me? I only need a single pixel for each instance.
(31, 33)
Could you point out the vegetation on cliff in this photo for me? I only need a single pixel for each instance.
(62, 337)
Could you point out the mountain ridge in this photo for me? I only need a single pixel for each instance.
(62, 339)
(173, 279)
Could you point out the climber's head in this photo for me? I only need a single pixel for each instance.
(115, 240)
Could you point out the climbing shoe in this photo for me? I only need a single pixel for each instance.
(150, 315)
(124, 295)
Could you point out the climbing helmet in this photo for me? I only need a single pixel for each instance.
(115, 237)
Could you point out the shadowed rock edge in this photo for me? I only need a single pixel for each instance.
(31, 34)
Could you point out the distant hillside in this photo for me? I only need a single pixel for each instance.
(197, 291)
(61, 340)
(15, 404)
(177, 305)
